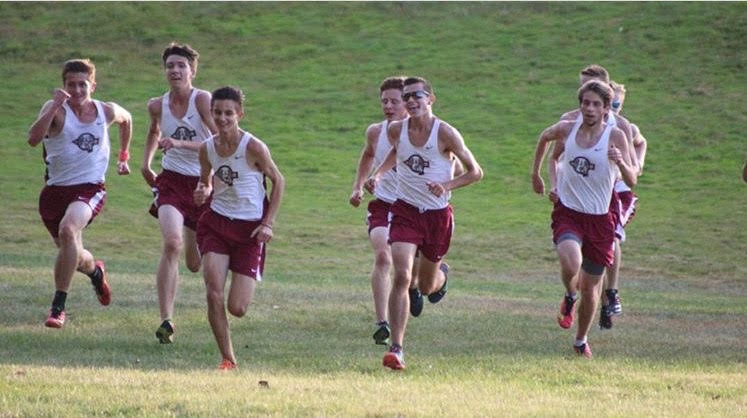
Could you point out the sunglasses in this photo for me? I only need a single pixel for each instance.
(616, 104)
(417, 94)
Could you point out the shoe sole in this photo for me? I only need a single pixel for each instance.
(436, 297)
(105, 298)
(562, 324)
(391, 361)
(54, 324)
(381, 336)
(164, 336)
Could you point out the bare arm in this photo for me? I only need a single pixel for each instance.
(627, 129)
(556, 132)
(151, 140)
(450, 140)
(205, 185)
(365, 164)
(50, 119)
(117, 114)
(620, 154)
(393, 131)
(202, 103)
(640, 145)
(258, 151)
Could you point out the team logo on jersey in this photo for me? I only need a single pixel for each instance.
(226, 175)
(582, 166)
(417, 163)
(184, 134)
(86, 142)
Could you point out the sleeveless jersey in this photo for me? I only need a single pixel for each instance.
(585, 175)
(238, 189)
(80, 152)
(620, 185)
(386, 189)
(418, 166)
(188, 128)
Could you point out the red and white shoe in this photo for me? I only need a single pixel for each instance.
(55, 319)
(104, 293)
(227, 365)
(394, 359)
(583, 350)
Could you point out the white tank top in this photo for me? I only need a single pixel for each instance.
(585, 175)
(386, 189)
(238, 189)
(80, 152)
(188, 128)
(418, 166)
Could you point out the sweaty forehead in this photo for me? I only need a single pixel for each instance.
(391, 94)
(176, 58)
(225, 105)
(76, 77)
(592, 96)
(413, 87)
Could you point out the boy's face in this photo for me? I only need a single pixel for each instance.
(79, 87)
(226, 115)
(178, 71)
(392, 104)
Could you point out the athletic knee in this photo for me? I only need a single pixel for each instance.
(214, 295)
(383, 259)
(67, 233)
(172, 245)
(238, 310)
(194, 265)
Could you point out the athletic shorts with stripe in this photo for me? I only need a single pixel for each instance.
(177, 190)
(596, 232)
(378, 214)
(233, 237)
(430, 230)
(54, 200)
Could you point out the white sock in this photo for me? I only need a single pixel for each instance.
(581, 342)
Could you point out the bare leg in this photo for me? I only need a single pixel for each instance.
(72, 256)
(167, 277)
(191, 252)
(240, 294)
(569, 253)
(399, 302)
(430, 276)
(215, 269)
(610, 279)
(380, 282)
(589, 286)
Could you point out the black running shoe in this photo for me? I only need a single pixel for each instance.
(605, 319)
(381, 336)
(615, 307)
(416, 301)
(165, 332)
(436, 296)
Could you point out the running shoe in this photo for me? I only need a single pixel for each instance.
(165, 332)
(227, 365)
(615, 307)
(440, 293)
(416, 301)
(394, 358)
(56, 319)
(381, 336)
(605, 319)
(566, 315)
(583, 350)
(103, 292)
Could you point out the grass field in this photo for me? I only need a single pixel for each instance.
(502, 72)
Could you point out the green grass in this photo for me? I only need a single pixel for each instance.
(502, 72)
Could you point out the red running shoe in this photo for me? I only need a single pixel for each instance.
(55, 319)
(566, 315)
(395, 358)
(103, 292)
(227, 365)
(583, 350)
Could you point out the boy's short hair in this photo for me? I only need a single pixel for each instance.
(601, 88)
(183, 50)
(415, 80)
(228, 93)
(397, 82)
(596, 71)
(79, 65)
